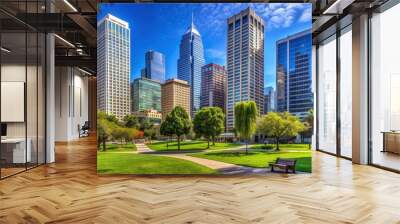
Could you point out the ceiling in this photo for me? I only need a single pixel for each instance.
(73, 22)
(330, 13)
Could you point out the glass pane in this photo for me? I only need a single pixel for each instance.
(41, 99)
(327, 95)
(346, 93)
(13, 86)
(385, 92)
(31, 98)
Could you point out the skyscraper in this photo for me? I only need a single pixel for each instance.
(191, 59)
(174, 92)
(113, 66)
(293, 74)
(155, 66)
(245, 60)
(146, 95)
(269, 99)
(213, 80)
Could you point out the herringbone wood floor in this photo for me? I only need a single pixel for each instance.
(70, 191)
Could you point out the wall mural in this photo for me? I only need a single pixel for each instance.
(191, 88)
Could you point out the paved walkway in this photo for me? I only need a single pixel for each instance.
(224, 168)
(142, 148)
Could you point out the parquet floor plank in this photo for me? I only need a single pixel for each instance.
(70, 191)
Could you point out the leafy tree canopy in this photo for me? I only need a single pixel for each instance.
(279, 125)
(131, 121)
(176, 123)
(245, 119)
(209, 123)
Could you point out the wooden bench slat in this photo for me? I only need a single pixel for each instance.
(284, 164)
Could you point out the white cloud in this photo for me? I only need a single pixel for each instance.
(211, 18)
(284, 15)
(306, 16)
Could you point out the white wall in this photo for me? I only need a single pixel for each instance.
(71, 103)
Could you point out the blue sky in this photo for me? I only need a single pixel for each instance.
(160, 27)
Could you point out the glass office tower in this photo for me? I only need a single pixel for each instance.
(146, 95)
(191, 59)
(294, 80)
(155, 66)
(245, 62)
(113, 66)
(269, 99)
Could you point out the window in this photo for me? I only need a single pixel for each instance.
(23, 76)
(346, 92)
(327, 95)
(385, 88)
(237, 23)
(245, 19)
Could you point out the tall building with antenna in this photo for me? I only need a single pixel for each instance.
(191, 59)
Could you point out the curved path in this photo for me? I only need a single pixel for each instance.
(224, 168)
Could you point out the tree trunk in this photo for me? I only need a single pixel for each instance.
(104, 143)
(246, 147)
(277, 144)
(208, 142)
(179, 143)
(213, 141)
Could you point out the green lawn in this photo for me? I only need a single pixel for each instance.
(261, 159)
(122, 163)
(119, 147)
(190, 145)
(283, 147)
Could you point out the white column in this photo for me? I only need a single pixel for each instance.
(50, 101)
(360, 90)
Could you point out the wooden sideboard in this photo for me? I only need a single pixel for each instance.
(391, 141)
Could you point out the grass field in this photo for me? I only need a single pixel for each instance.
(132, 163)
(190, 145)
(283, 147)
(119, 147)
(261, 158)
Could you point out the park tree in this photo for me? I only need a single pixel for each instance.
(166, 129)
(104, 129)
(129, 134)
(130, 121)
(245, 120)
(177, 123)
(118, 133)
(209, 123)
(112, 118)
(280, 125)
(145, 124)
(310, 119)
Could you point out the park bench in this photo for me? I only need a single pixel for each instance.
(286, 164)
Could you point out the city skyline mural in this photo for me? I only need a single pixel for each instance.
(181, 88)
(153, 22)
